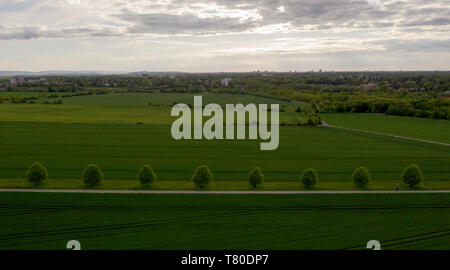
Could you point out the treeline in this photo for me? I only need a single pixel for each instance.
(249, 82)
(50, 99)
(415, 107)
(202, 176)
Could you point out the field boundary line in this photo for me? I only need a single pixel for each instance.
(324, 124)
(281, 192)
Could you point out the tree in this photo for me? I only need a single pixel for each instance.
(93, 175)
(37, 173)
(202, 176)
(309, 177)
(412, 175)
(255, 177)
(146, 175)
(361, 177)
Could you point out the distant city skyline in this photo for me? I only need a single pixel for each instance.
(224, 36)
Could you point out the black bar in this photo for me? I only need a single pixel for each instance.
(224, 259)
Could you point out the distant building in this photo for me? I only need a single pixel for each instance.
(225, 82)
(16, 81)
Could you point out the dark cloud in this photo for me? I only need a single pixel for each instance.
(299, 14)
(324, 15)
(31, 32)
(427, 22)
(25, 32)
(17, 7)
(181, 24)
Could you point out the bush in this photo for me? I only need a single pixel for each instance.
(92, 175)
(255, 177)
(37, 173)
(202, 176)
(314, 120)
(412, 175)
(380, 106)
(361, 177)
(146, 175)
(309, 177)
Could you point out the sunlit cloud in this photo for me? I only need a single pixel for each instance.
(197, 31)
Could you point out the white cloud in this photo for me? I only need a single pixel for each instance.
(229, 29)
(74, 2)
(374, 2)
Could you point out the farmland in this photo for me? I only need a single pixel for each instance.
(122, 132)
(121, 149)
(103, 129)
(127, 108)
(427, 129)
(164, 222)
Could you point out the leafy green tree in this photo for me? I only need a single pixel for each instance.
(202, 176)
(37, 173)
(309, 177)
(255, 177)
(412, 175)
(361, 177)
(146, 175)
(93, 175)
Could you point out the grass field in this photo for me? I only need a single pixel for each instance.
(121, 149)
(143, 99)
(420, 128)
(102, 129)
(107, 221)
(129, 108)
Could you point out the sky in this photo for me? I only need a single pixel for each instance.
(226, 35)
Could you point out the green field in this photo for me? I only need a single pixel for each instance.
(233, 222)
(121, 149)
(143, 99)
(129, 108)
(102, 129)
(122, 132)
(420, 128)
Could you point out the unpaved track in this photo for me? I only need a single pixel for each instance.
(324, 124)
(98, 191)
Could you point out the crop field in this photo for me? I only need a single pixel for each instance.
(121, 149)
(420, 128)
(128, 108)
(122, 132)
(205, 221)
(108, 130)
(143, 99)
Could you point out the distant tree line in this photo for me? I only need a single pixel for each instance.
(417, 94)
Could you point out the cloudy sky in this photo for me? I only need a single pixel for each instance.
(225, 35)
